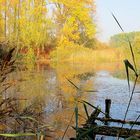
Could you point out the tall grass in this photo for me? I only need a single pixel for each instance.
(86, 55)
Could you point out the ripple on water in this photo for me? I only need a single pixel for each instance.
(116, 90)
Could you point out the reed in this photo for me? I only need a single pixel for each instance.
(14, 121)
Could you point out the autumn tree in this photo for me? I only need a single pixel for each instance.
(74, 24)
(24, 24)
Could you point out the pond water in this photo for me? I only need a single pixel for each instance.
(51, 87)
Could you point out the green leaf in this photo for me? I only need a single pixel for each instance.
(128, 66)
(73, 84)
(86, 111)
(29, 118)
(117, 22)
(93, 106)
(85, 134)
(90, 91)
(68, 125)
(18, 135)
(76, 117)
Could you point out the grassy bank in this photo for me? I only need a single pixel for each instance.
(86, 55)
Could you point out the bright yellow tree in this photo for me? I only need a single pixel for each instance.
(74, 19)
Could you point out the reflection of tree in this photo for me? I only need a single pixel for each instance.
(79, 74)
(61, 99)
(31, 85)
(84, 76)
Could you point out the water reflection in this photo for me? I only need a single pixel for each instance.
(49, 86)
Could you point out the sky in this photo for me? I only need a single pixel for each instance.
(126, 11)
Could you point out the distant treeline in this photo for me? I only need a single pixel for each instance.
(121, 40)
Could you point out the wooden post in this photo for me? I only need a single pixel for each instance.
(107, 108)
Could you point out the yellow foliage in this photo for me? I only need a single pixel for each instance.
(28, 23)
(30, 59)
(74, 18)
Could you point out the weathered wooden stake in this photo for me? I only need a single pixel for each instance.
(107, 109)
